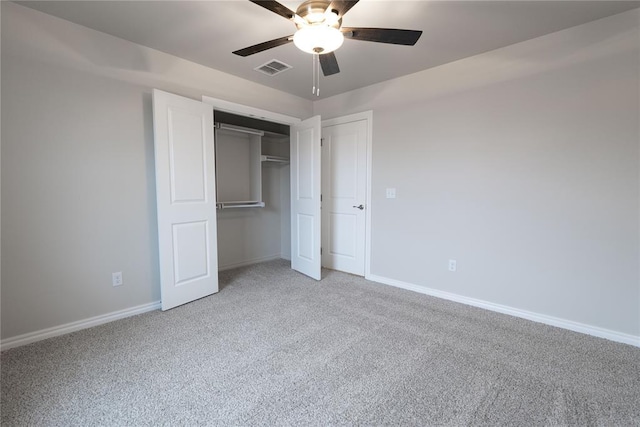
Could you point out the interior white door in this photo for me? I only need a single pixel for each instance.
(305, 197)
(344, 189)
(186, 199)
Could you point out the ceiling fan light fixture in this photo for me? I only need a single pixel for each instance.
(318, 39)
(313, 11)
(331, 18)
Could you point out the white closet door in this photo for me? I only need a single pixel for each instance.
(186, 200)
(305, 197)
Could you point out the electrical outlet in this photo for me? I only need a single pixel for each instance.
(452, 265)
(116, 278)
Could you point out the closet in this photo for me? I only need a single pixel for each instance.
(252, 190)
(226, 195)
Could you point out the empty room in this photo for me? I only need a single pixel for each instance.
(320, 213)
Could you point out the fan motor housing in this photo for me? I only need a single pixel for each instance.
(313, 11)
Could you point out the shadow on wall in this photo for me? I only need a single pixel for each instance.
(150, 165)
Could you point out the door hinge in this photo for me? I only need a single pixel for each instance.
(320, 251)
(321, 197)
(321, 142)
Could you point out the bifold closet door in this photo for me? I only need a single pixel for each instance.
(305, 197)
(186, 199)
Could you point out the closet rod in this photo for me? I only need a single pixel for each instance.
(229, 205)
(234, 128)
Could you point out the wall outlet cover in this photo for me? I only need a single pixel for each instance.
(116, 278)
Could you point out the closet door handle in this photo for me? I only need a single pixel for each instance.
(361, 207)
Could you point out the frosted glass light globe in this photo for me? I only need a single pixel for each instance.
(318, 39)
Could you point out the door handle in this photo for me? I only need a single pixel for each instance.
(361, 207)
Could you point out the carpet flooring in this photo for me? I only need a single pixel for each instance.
(276, 348)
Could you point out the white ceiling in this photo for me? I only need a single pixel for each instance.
(207, 32)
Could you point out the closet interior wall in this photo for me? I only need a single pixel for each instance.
(250, 235)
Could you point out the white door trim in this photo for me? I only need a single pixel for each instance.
(247, 111)
(368, 116)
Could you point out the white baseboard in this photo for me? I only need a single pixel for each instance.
(55, 331)
(596, 331)
(536, 317)
(248, 262)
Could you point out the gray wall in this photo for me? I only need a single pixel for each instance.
(521, 164)
(247, 236)
(78, 190)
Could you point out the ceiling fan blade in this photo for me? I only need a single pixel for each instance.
(275, 7)
(329, 64)
(264, 46)
(342, 6)
(384, 35)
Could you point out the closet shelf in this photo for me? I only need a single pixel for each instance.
(240, 204)
(274, 159)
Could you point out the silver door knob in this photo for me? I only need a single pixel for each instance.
(361, 207)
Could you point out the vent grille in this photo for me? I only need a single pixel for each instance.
(273, 67)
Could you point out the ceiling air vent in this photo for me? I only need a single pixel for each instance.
(273, 67)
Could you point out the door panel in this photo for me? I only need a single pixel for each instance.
(186, 156)
(343, 153)
(344, 185)
(342, 240)
(190, 251)
(306, 241)
(305, 197)
(186, 203)
(305, 163)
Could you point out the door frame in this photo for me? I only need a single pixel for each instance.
(253, 112)
(368, 116)
(247, 111)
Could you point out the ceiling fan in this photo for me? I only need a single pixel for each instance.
(320, 31)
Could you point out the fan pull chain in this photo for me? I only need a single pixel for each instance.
(315, 66)
(313, 72)
(317, 74)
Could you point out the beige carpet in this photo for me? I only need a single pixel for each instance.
(276, 348)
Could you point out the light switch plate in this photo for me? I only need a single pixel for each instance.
(391, 193)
